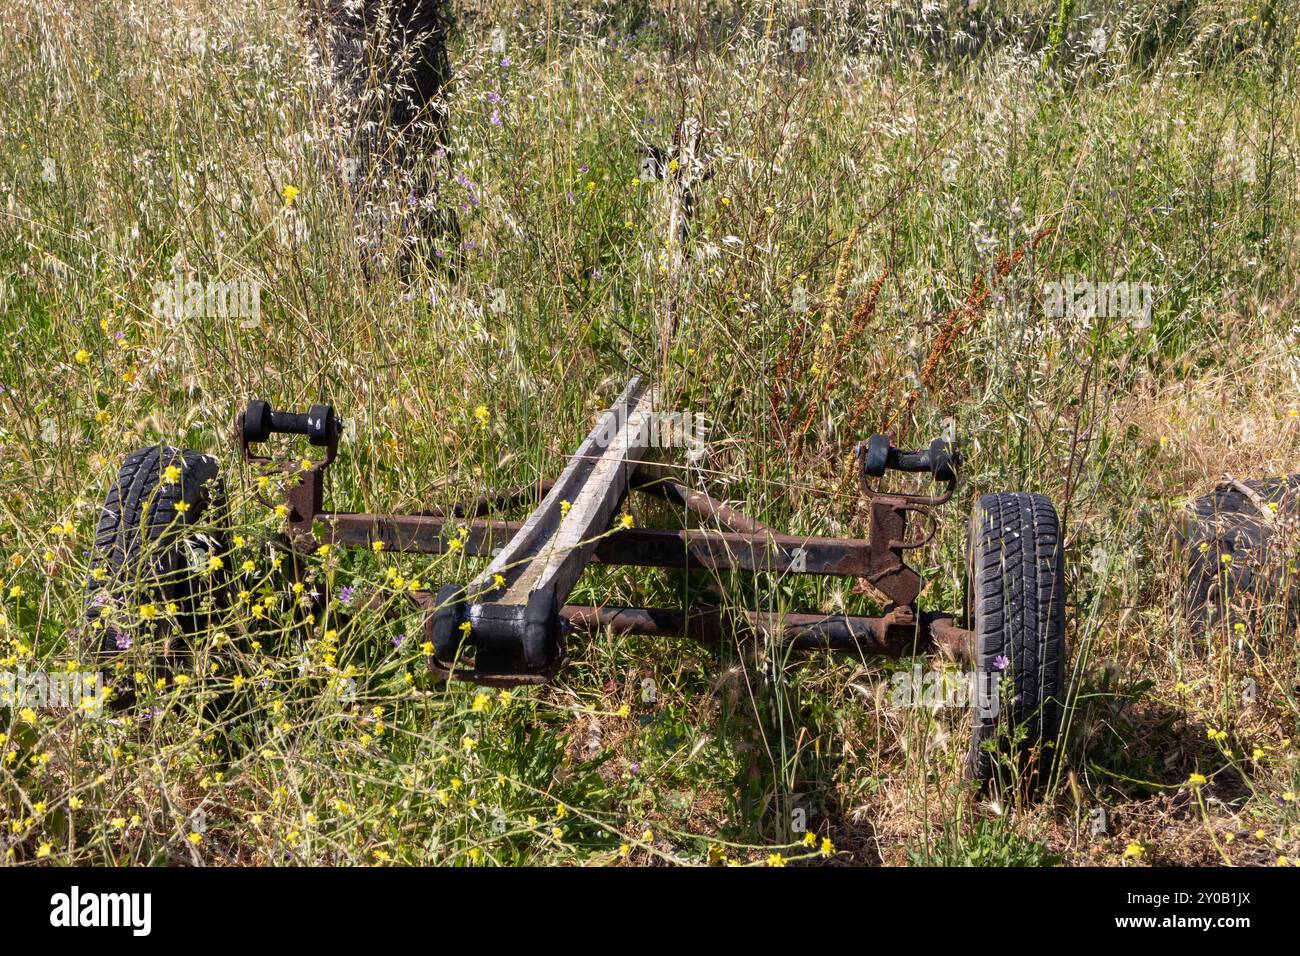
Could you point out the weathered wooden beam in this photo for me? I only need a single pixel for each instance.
(512, 608)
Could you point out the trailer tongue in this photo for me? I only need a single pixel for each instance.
(509, 613)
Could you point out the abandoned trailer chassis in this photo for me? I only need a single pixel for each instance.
(900, 630)
(518, 627)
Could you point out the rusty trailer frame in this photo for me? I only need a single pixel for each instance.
(509, 625)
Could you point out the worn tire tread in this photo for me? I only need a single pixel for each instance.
(1016, 576)
(140, 534)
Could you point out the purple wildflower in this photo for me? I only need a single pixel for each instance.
(506, 61)
(494, 97)
(496, 117)
(122, 640)
(584, 169)
(468, 184)
(1001, 662)
(345, 594)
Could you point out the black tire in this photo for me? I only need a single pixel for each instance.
(1232, 521)
(1015, 588)
(147, 550)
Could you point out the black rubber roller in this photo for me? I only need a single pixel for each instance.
(878, 455)
(257, 421)
(944, 462)
(322, 424)
(319, 424)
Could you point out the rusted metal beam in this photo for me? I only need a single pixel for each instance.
(650, 478)
(895, 634)
(947, 635)
(643, 547)
(891, 635)
(418, 534)
(654, 480)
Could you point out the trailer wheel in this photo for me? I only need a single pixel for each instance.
(1015, 594)
(163, 523)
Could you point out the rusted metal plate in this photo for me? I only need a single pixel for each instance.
(888, 573)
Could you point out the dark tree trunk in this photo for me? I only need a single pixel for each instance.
(389, 64)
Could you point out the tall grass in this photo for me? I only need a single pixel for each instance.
(915, 142)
